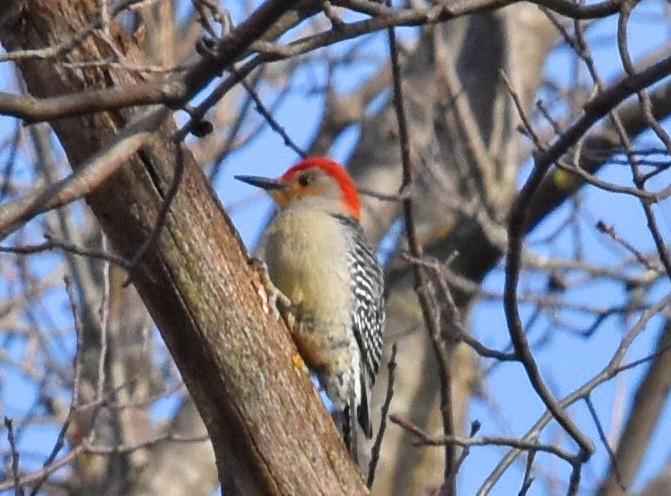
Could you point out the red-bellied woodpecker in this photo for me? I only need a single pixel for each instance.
(318, 256)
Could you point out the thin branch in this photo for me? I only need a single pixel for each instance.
(10, 163)
(611, 370)
(74, 402)
(431, 317)
(174, 93)
(519, 339)
(32, 110)
(612, 233)
(88, 176)
(9, 425)
(234, 130)
(424, 439)
(377, 445)
(596, 108)
(528, 479)
(52, 244)
(232, 47)
(123, 449)
(475, 427)
(452, 312)
(265, 113)
(603, 438)
(46, 471)
(638, 177)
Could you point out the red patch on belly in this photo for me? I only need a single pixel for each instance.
(310, 349)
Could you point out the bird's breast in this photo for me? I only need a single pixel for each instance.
(306, 253)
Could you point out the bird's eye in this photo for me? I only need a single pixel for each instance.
(305, 179)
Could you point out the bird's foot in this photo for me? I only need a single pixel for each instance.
(274, 301)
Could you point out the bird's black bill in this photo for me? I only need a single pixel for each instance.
(262, 182)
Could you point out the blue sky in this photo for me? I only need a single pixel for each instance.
(566, 360)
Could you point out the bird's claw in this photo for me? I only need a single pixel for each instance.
(274, 301)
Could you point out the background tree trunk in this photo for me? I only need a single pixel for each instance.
(484, 104)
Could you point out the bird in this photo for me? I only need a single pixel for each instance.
(318, 256)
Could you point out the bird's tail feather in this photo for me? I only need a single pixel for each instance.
(349, 430)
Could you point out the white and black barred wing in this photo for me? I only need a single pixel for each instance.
(368, 319)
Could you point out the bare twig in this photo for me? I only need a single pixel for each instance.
(234, 45)
(603, 437)
(377, 445)
(638, 177)
(18, 489)
(612, 369)
(430, 315)
(475, 427)
(85, 179)
(123, 449)
(10, 162)
(52, 244)
(610, 231)
(46, 471)
(452, 312)
(424, 439)
(528, 478)
(596, 108)
(272, 122)
(174, 94)
(60, 439)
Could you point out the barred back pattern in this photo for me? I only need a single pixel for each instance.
(368, 317)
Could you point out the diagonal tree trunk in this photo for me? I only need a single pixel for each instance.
(270, 431)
